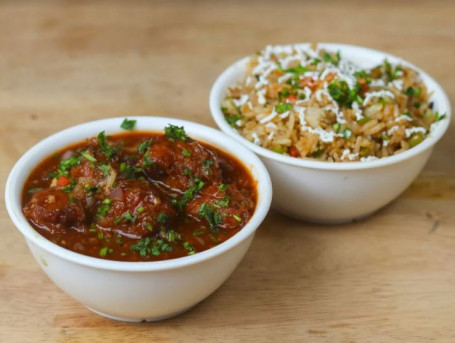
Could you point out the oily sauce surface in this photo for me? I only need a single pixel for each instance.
(139, 196)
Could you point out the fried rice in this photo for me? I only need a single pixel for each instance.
(308, 102)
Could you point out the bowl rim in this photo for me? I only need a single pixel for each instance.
(221, 84)
(144, 124)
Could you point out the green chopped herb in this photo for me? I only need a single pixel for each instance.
(92, 229)
(104, 208)
(108, 150)
(129, 217)
(238, 218)
(170, 235)
(104, 251)
(100, 235)
(395, 73)
(439, 117)
(146, 247)
(88, 156)
(90, 190)
(232, 119)
(33, 190)
(68, 188)
(72, 200)
(128, 124)
(283, 94)
(65, 165)
(174, 132)
(281, 108)
(207, 163)
(299, 70)
(336, 127)
(190, 248)
(105, 169)
(413, 91)
(317, 153)
(140, 209)
(362, 74)
(222, 187)
(198, 232)
(315, 61)
(416, 104)
(225, 202)
(162, 218)
(384, 137)
(327, 57)
(129, 171)
(186, 153)
(117, 220)
(342, 94)
(149, 226)
(212, 216)
(143, 146)
(347, 133)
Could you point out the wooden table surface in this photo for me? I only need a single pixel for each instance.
(388, 278)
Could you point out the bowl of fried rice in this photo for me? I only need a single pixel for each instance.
(342, 129)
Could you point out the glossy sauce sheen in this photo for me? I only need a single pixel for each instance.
(161, 202)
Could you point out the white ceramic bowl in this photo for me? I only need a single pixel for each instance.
(137, 291)
(326, 192)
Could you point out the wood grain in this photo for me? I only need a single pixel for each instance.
(389, 278)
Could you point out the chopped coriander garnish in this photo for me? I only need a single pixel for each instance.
(237, 217)
(162, 218)
(104, 251)
(143, 146)
(284, 107)
(33, 190)
(129, 217)
(317, 153)
(225, 202)
(186, 153)
(190, 248)
(283, 94)
(149, 226)
(174, 132)
(140, 209)
(105, 169)
(211, 215)
(104, 208)
(90, 190)
(347, 133)
(438, 117)
(341, 93)
(222, 187)
(88, 156)
(65, 165)
(336, 127)
(68, 188)
(72, 200)
(410, 91)
(384, 137)
(299, 70)
(198, 232)
(105, 147)
(207, 163)
(128, 124)
(232, 119)
(117, 220)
